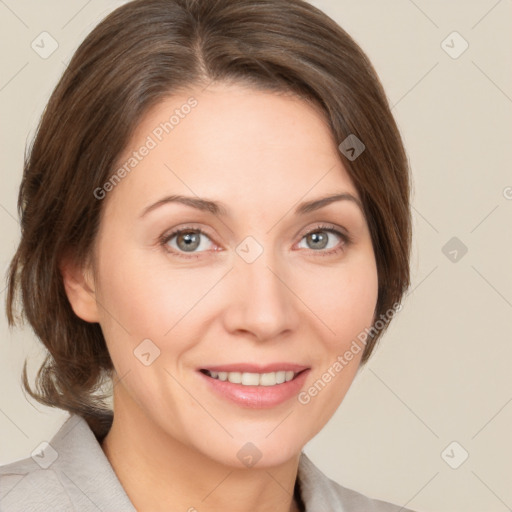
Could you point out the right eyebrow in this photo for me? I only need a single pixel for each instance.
(206, 205)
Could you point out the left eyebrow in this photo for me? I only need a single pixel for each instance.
(316, 204)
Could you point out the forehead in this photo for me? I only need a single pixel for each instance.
(230, 141)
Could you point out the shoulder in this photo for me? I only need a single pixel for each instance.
(320, 493)
(70, 472)
(25, 486)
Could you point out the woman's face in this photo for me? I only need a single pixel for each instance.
(244, 290)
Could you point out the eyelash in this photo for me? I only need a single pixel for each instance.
(346, 240)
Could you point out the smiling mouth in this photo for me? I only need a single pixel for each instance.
(254, 379)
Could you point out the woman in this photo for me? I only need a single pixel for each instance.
(215, 215)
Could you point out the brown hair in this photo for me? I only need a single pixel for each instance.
(141, 53)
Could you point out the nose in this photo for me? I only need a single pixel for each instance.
(261, 300)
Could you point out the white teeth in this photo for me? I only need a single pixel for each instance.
(267, 379)
(254, 379)
(235, 377)
(250, 379)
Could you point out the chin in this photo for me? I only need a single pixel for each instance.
(255, 449)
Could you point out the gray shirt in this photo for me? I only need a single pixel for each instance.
(72, 473)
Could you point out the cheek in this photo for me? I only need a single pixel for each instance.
(344, 298)
(145, 296)
(140, 291)
(149, 296)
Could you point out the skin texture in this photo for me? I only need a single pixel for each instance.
(173, 442)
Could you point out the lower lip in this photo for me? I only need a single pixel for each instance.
(257, 397)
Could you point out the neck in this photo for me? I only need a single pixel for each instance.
(158, 472)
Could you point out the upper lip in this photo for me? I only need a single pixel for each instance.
(255, 368)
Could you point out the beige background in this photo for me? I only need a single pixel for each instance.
(442, 372)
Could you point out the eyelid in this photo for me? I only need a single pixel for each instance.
(326, 226)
